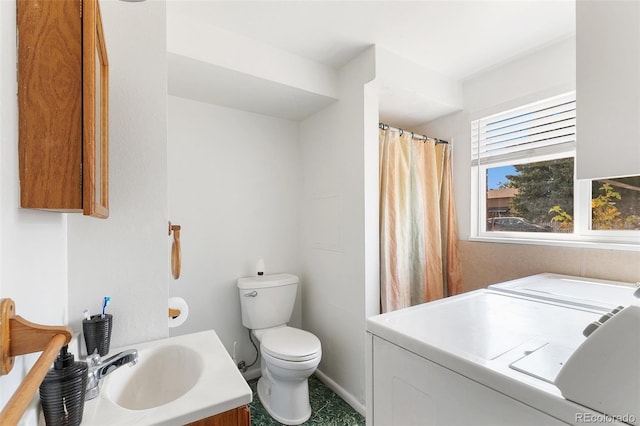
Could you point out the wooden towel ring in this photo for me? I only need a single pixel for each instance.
(176, 252)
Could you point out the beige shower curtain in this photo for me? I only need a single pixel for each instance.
(418, 231)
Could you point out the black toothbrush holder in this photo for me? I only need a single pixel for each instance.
(97, 333)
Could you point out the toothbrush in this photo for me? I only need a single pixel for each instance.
(86, 315)
(105, 302)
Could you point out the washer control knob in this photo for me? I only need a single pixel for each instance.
(591, 328)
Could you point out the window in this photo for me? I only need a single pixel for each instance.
(523, 174)
(615, 204)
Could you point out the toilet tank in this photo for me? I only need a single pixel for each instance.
(267, 301)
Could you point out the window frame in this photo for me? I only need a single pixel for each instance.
(584, 218)
(582, 235)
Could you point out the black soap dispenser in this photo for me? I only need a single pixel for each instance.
(62, 391)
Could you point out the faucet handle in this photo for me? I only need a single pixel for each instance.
(93, 359)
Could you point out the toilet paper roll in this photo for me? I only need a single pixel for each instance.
(180, 304)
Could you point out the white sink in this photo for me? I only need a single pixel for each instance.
(164, 374)
(176, 381)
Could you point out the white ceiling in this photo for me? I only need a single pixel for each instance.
(455, 38)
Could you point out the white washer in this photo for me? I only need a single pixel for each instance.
(486, 357)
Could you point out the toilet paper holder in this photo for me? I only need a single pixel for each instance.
(178, 311)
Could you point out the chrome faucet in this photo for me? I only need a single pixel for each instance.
(98, 369)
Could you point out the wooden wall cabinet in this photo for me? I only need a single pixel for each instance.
(63, 90)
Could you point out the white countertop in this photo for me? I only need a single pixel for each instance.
(220, 387)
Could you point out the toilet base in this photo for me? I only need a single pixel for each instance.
(286, 402)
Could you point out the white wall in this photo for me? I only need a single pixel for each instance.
(126, 256)
(333, 225)
(540, 73)
(33, 247)
(234, 188)
(543, 73)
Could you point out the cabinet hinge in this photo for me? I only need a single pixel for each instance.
(80, 8)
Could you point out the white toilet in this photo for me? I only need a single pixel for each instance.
(288, 355)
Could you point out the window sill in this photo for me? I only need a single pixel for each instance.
(625, 245)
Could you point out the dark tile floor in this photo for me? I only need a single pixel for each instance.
(327, 408)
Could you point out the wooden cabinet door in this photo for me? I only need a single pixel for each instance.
(95, 113)
(50, 104)
(63, 106)
(240, 416)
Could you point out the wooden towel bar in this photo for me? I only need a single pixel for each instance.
(19, 337)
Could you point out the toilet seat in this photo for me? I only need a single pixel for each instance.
(290, 344)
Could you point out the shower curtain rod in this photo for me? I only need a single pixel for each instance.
(384, 126)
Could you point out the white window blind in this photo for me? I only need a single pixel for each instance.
(544, 127)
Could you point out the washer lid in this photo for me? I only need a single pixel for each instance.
(263, 281)
(290, 344)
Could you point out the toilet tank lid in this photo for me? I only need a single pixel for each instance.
(263, 281)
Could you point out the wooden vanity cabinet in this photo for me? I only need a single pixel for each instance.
(63, 89)
(240, 416)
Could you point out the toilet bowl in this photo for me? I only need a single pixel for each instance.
(288, 355)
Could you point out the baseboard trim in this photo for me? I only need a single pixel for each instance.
(350, 399)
